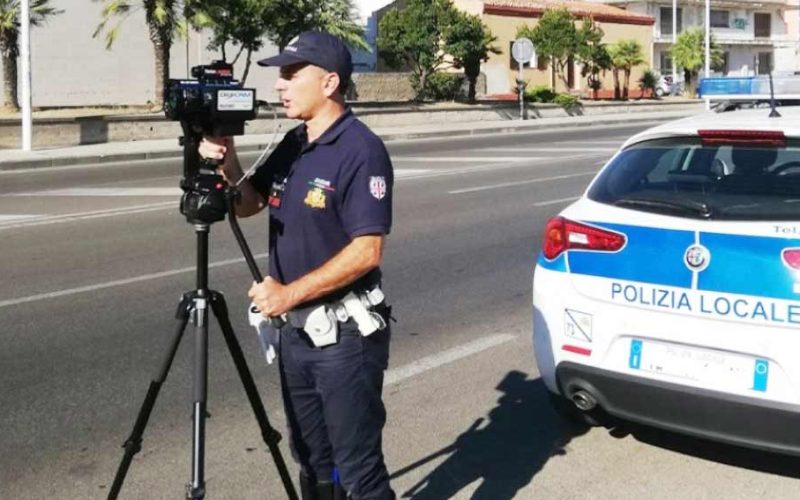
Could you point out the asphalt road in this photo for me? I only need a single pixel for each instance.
(95, 258)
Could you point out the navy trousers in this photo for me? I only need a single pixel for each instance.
(332, 398)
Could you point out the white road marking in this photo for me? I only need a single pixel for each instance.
(457, 159)
(549, 149)
(56, 219)
(145, 191)
(397, 375)
(519, 183)
(16, 218)
(399, 173)
(110, 284)
(555, 202)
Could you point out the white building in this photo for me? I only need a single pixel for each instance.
(755, 36)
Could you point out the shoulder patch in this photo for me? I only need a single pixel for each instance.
(377, 187)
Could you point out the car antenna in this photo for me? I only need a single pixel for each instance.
(774, 113)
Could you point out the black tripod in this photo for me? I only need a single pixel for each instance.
(202, 206)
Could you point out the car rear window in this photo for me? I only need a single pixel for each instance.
(683, 177)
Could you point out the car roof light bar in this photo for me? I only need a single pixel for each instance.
(750, 88)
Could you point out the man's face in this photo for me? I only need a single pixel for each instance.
(304, 88)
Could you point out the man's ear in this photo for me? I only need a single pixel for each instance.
(330, 84)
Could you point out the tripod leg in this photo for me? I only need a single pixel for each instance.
(133, 444)
(268, 433)
(196, 489)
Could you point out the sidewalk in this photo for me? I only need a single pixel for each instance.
(11, 159)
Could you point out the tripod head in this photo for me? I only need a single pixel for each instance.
(205, 192)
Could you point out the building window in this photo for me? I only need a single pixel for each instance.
(720, 19)
(763, 25)
(666, 20)
(541, 63)
(665, 63)
(764, 63)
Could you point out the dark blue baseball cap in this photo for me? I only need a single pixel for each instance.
(317, 48)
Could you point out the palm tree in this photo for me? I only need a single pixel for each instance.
(40, 10)
(625, 55)
(162, 18)
(689, 54)
(288, 18)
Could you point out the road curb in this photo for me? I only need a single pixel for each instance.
(499, 128)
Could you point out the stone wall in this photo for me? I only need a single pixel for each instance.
(394, 87)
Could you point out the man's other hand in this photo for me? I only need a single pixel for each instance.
(271, 297)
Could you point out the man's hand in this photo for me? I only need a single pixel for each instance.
(222, 149)
(272, 298)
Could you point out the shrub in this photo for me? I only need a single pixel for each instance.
(648, 81)
(443, 86)
(540, 93)
(566, 101)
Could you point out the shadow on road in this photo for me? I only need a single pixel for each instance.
(735, 456)
(505, 449)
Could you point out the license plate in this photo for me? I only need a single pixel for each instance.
(718, 369)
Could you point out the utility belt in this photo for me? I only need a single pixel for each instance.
(321, 321)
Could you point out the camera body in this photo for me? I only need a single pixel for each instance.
(212, 104)
(213, 101)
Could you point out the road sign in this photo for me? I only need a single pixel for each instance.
(522, 50)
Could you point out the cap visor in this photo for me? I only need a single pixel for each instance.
(282, 59)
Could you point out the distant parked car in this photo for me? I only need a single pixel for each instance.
(664, 86)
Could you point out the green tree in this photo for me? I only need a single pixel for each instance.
(689, 53)
(469, 42)
(40, 10)
(412, 38)
(592, 54)
(555, 38)
(288, 18)
(162, 18)
(240, 23)
(625, 55)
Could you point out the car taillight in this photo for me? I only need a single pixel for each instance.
(742, 137)
(791, 257)
(562, 234)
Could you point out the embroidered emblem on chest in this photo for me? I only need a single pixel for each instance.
(318, 193)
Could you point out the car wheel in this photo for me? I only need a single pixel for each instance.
(659, 92)
(569, 412)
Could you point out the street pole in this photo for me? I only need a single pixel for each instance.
(25, 54)
(674, 89)
(708, 46)
(521, 93)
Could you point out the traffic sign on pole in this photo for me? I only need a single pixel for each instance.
(522, 52)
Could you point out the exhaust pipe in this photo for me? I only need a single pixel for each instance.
(584, 400)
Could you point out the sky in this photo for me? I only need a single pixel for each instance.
(366, 7)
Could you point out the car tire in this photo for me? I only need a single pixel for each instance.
(659, 92)
(570, 413)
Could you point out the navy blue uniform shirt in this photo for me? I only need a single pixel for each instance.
(323, 194)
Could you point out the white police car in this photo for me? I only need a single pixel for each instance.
(669, 294)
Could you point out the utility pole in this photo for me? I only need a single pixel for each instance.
(25, 53)
(674, 89)
(708, 46)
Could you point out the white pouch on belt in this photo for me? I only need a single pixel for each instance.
(368, 322)
(321, 325)
(268, 336)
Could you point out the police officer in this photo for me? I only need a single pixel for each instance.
(328, 186)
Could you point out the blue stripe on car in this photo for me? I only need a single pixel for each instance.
(740, 264)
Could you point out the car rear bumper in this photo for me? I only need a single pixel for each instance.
(751, 422)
